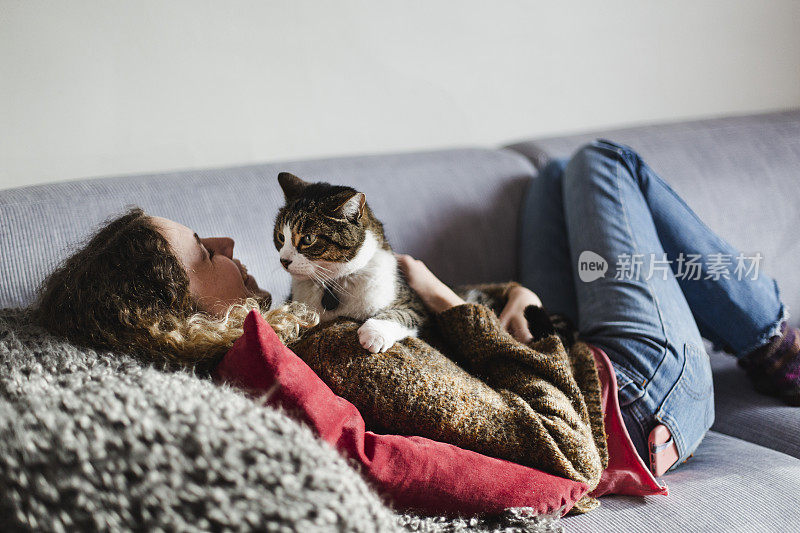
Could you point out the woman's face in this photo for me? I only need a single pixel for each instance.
(216, 279)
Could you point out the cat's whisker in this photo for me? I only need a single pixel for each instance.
(330, 282)
(320, 279)
(317, 280)
(327, 277)
(324, 284)
(328, 273)
(322, 270)
(338, 287)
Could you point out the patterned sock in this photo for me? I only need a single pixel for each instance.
(775, 367)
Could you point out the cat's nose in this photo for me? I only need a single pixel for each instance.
(286, 262)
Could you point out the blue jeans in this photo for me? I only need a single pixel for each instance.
(606, 205)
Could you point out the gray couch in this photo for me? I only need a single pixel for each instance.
(458, 211)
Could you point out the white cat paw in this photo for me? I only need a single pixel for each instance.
(377, 336)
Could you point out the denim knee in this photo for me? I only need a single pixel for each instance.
(598, 154)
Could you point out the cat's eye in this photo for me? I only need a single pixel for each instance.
(280, 238)
(308, 239)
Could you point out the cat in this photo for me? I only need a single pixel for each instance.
(341, 263)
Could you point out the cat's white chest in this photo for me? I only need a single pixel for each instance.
(361, 294)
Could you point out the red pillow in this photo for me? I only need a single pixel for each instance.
(415, 472)
(626, 473)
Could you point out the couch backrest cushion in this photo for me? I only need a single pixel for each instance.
(455, 209)
(740, 174)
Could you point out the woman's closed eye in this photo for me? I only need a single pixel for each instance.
(208, 252)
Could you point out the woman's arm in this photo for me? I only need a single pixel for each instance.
(508, 299)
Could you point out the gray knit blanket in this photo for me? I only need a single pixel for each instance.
(94, 440)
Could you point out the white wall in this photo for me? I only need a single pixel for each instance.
(99, 87)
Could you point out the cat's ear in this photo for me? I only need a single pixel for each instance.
(352, 207)
(292, 185)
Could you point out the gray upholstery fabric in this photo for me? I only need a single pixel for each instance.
(456, 209)
(740, 174)
(748, 415)
(729, 485)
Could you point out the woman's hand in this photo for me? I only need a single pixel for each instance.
(436, 295)
(512, 319)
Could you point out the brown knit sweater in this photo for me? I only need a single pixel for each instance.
(481, 390)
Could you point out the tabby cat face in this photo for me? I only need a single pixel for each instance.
(324, 231)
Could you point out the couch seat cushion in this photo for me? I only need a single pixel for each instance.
(748, 415)
(729, 485)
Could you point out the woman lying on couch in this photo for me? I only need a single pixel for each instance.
(151, 286)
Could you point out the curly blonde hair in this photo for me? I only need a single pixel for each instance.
(125, 290)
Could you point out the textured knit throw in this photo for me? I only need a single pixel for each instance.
(96, 441)
(536, 405)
